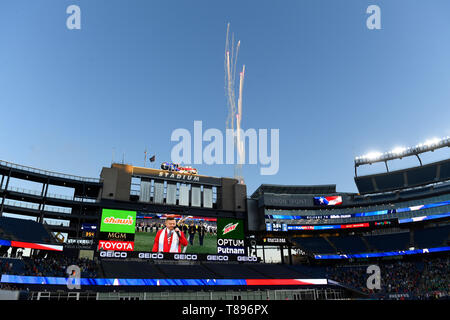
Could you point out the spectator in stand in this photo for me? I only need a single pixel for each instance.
(402, 278)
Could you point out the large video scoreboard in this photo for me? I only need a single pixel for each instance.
(149, 235)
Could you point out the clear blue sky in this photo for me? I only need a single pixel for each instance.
(137, 70)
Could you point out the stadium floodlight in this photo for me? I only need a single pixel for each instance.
(400, 152)
(374, 155)
(432, 142)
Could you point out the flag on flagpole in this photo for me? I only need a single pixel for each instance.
(145, 157)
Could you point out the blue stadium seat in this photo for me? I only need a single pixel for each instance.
(413, 192)
(389, 242)
(431, 237)
(349, 244)
(314, 245)
(384, 197)
(17, 266)
(24, 230)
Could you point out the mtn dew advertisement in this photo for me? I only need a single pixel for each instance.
(118, 221)
(229, 228)
(230, 236)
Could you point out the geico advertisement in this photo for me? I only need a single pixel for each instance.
(176, 256)
(118, 221)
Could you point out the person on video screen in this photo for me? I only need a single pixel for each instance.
(191, 230)
(201, 233)
(169, 239)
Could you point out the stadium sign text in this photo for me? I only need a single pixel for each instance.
(275, 240)
(180, 257)
(149, 255)
(115, 245)
(185, 257)
(116, 236)
(112, 220)
(213, 257)
(247, 259)
(179, 176)
(228, 250)
(112, 254)
(230, 242)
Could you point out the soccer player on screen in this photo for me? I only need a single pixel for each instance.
(169, 239)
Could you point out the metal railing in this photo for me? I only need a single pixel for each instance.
(34, 206)
(48, 173)
(50, 195)
(14, 203)
(57, 223)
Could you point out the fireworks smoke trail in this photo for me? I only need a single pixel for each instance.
(231, 56)
(230, 92)
(235, 59)
(240, 145)
(229, 79)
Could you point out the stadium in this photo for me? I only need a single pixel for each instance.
(104, 238)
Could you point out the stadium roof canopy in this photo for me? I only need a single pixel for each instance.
(286, 189)
(406, 178)
(401, 152)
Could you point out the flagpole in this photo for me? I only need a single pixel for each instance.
(145, 157)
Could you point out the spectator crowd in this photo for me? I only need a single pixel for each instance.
(426, 279)
(48, 267)
(57, 267)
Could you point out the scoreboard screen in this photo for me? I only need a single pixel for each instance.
(88, 234)
(88, 230)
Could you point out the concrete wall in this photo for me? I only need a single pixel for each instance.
(116, 182)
